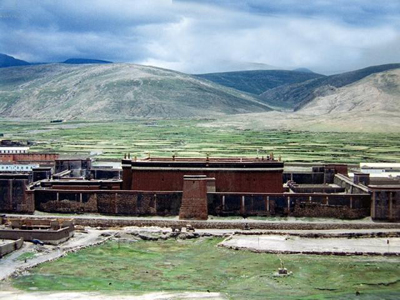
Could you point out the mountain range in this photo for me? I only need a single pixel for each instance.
(371, 104)
(9, 61)
(94, 89)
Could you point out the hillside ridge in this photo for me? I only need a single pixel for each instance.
(9, 61)
(297, 95)
(258, 81)
(114, 91)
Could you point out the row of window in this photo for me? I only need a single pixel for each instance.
(10, 168)
(13, 151)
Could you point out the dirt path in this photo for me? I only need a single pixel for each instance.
(18, 295)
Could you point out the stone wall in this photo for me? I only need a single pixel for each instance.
(67, 206)
(349, 186)
(304, 177)
(139, 203)
(386, 205)
(329, 205)
(231, 224)
(12, 194)
(47, 236)
(316, 210)
(117, 202)
(314, 188)
(10, 247)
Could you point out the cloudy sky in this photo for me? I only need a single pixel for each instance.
(327, 36)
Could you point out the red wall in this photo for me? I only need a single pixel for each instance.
(225, 181)
(30, 157)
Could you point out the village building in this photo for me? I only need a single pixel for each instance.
(248, 175)
(194, 188)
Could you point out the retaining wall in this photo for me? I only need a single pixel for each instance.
(121, 222)
(140, 203)
(10, 247)
(46, 236)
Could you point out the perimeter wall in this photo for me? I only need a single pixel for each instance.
(161, 203)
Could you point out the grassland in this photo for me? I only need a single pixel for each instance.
(198, 265)
(195, 138)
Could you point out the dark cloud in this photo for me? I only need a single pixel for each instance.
(205, 36)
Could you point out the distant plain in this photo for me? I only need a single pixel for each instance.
(197, 138)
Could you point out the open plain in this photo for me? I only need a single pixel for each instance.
(191, 138)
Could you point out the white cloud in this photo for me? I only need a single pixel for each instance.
(286, 42)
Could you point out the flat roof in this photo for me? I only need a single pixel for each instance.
(81, 181)
(385, 187)
(380, 166)
(157, 168)
(14, 175)
(202, 163)
(204, 159)
(14, 148)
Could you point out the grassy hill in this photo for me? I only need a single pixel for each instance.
(114, 91)
(297, 95)
(257, 82)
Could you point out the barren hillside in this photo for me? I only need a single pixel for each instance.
(259, 81)
(375, 94)
(114, 91)
(368, 105)
(297, 95)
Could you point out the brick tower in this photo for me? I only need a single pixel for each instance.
(194, 198)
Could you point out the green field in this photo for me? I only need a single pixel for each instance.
(197, 138)
(199, 265)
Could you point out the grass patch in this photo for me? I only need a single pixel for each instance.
(26, 256)
(198, 265)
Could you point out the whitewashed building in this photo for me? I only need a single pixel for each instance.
(17, 167)
(13, 150)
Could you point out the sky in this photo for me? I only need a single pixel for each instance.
(195, 36)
